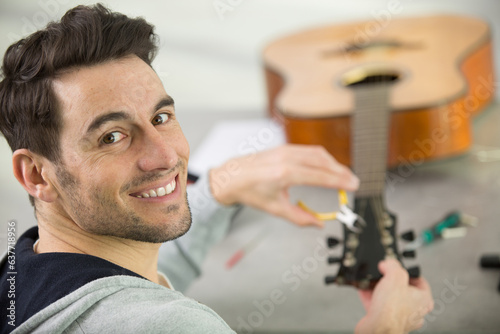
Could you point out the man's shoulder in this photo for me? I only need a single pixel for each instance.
(124, 304)
(158, 308)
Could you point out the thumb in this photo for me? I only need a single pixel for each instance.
(366, 298)
(387, 266)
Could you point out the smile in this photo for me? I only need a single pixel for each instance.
(158, 192)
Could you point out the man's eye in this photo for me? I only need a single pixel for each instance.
(160, 119)
(112, 137)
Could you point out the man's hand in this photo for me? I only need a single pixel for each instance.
(397, 304)
(262, 180)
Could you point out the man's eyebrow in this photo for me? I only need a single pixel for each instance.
(109, 117)
(165, 102)
(120, 115)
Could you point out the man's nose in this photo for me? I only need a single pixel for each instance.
(156, 152)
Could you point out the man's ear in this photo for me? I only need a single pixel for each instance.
(29, 170)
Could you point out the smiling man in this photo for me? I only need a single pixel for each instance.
(123, 153)
(97, 145)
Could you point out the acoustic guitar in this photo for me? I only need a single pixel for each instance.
(404, 93)
(443, 66)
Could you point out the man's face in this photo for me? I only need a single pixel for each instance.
(124, 156)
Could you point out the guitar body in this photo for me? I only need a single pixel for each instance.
(444, 69)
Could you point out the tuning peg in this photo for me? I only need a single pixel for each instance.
(414, 272)
(410, 254)
(490, 261)
(332, 242)
(330, 279)
(334, 259)
(408, 235)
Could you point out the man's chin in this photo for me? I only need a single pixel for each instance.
(180, 234)
(175, 231)
(172, 229)
(156, 234)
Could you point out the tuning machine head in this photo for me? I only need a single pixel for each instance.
(332, 242)
(414, 272)
(334, 259)
(330, 279)
(408, 235)
(409, 254)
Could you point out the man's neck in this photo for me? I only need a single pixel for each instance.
(67, 237)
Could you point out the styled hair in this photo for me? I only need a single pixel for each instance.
(85, 36)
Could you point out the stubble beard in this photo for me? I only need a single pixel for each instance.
(99, 214)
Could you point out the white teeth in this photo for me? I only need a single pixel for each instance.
(158, 192)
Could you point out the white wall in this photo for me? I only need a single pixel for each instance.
(210, 59)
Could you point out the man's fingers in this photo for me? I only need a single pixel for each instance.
(388, 266)
(420, 283)
(315, 156)
(304, 175)
(366, 297)
(317, 159)
(298, 216)
(415, 324)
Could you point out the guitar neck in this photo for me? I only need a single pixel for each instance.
(370, 137)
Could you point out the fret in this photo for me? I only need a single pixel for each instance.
(370, 137)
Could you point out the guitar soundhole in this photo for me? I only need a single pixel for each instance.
(374, 79)
(362, 77)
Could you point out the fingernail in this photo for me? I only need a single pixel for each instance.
(355, 182)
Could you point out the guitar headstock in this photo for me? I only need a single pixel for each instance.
(366, 247)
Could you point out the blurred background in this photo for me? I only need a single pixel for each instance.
(210, 61)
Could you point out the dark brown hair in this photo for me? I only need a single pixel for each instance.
(85, 36)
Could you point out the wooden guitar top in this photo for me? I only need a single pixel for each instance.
(425, 53)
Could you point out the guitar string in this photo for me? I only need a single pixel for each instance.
(370, 103)
(372, 174)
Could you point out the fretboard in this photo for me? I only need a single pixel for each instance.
(369, 137)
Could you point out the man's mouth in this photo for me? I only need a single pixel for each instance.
(157, 192)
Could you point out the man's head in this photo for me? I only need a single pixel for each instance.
(94, 133)
(85, 36)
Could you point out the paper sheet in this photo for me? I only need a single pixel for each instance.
(230, 139)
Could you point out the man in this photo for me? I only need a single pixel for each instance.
(97, 146)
